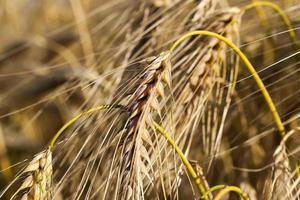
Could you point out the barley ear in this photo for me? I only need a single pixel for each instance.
(37, 184)
(279, 184)
(250, 68)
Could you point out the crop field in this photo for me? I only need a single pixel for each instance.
(150, 99)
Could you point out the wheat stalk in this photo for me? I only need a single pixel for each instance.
(283, 16)
(229, 189)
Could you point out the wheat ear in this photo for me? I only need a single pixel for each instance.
(250, 67)
(200, 80)
(143, 104)
(37, 184)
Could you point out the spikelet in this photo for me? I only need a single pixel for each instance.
(204, 9)
(278, 184)
(143, 104)
(203, 99)
(37, 184)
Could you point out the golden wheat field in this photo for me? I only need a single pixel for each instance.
(150, 99)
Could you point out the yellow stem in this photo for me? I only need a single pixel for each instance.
(262, 15)
(212, 189)
(280, 12)
(200, 183)
(288, 23)
(74, 119)
(248, 64)
(235, 189)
